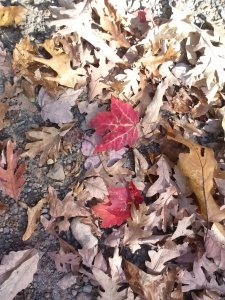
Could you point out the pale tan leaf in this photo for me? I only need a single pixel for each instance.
(45, 141)
(153, 109)
(96, 187)
(33, 214)
(16, 272)
(199, 166)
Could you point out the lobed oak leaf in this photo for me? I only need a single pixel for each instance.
(45, 141)
(109, 286)
(121, 122)
(116, 207)
(12, 176)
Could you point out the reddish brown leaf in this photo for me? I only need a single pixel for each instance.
(118, 127)
(116, 208)
(12, 176)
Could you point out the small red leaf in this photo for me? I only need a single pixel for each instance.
(12, 177)
(116, 208)
(118, 127)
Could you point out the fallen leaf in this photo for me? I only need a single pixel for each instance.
(67, 208)
(116, 207)
(153, 109)
(63, 260)
(45, 141)
(57, 109)
(16, 272)
(121, 121)
(109, 286)
(60, 63)
(12, 176)
(79, 20)
(204, 270)
(3, 110)
(3, 208)
(182, 227)
(164, 172)
(33, 214)
(96, 187)
(163, 255)
(199, 166)
(11, 15)
(110, 21)
(152, 287)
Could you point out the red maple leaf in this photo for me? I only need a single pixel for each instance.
(118, 126)
(116, 207)
(12, 176)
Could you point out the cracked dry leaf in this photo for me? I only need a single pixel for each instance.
(45, 141)
(199, 166)
(33, 214)
(11, 15)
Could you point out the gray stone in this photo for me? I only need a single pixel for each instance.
(83, 234)
(57, 172)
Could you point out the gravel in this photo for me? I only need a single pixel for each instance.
(13, 221)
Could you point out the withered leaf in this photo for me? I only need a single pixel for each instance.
(12, 176)
(16, 272)
(199, 166)
(96, 187)
(152, 287)
(11, 15)
(67, 208)
(57, 109)
(45, 141)
(33, 214)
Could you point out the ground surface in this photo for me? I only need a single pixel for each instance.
(13, 222)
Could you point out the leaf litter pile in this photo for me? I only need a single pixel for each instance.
(147, 204)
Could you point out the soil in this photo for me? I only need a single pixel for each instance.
(13, 221)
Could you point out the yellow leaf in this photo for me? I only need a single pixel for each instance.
(198, 166)
(33, 214)
(11, 15)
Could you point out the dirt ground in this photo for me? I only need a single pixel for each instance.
(13, 221)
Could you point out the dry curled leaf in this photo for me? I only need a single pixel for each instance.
(33, 214)
(12, 175)
(199, 166)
